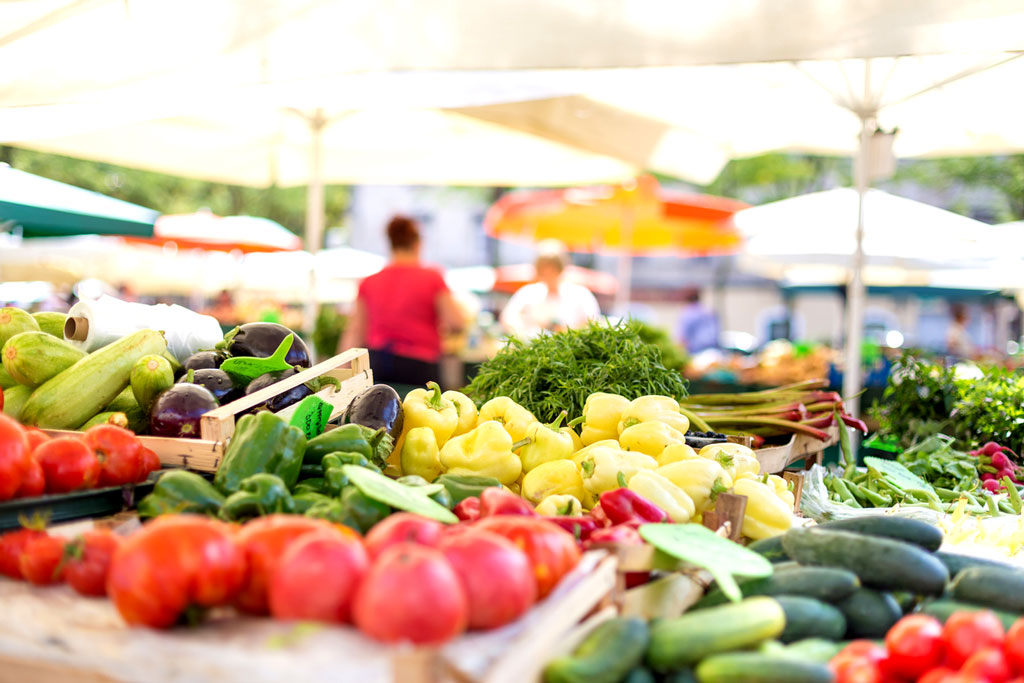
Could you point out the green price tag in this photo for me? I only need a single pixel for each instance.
(311, 416)
(250, 367)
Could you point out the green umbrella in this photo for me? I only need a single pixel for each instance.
(47, 208)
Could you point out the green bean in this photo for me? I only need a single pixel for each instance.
(877, 500)
(858, 494)
(846, 445)
(1011, 489)
(947, 494)
(844, 492)
(993, 506)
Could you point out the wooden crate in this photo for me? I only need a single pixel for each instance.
(351, 369)
(51, 634)
(799, 447)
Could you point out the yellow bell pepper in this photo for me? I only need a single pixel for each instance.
(650, 437)
(512, 416)
(607, 468)
(554, 478)
(677, 453)
(559, 506)
(546, 443)
(466, 409)
(601, 414)
(427, 408)
(672, 499)
(766, 514)
(485, 451)
(702, 479)
(647, 408)
(579, 455)
(782, 490)
(420, 454)
(577, 442)
(733, 457)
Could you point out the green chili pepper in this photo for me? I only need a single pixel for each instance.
(260, 494)
(178, 491)
(307, 499)
(462, 486)
(312, 485)
(335, 479)
(443, 496)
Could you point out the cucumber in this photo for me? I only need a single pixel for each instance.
(943, 609)
(640, 674)
(814, 650)
(906, 600)
(123, 402)
(913, 531)
(822, 583)
(682, 676)
(81, 391)
(51, 322)
(34, 357)
(151, 375)
(807, 617)
(869, 613)
(106, 418)
(878, 562)
(6, 381)
(751, 667)
(992, 587)
(15, 399)
(676, 643)
(956, 563)
(14, 321)
(771, 548)
(604, 656)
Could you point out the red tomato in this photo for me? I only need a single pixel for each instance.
(173, 563)
(88, 561)
(42, 560)
(915, 645)
(333, 563)
(119, 453)
(402, 527)
(12, 545)
(1014, 646)
(34, 482)
(14, 457)
(68, 465)
(939, 675)
(411, 593)
(263, 541)
(552, 551)
(150, 463)
(988, 664)
(35, 438)
(859, 662)
(496, 576)
(967, 632)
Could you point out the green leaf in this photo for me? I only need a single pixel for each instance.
(250, 367)
(409, 498)
(898, 474)
(700, 546)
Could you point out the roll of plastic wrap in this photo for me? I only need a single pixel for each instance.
(94, 324)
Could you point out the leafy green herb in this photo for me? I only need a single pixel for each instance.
(937, 462)
(556, 372)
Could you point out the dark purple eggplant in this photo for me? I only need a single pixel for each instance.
(281, 401)
(176, 411)
(204, 360)
(379, 406)
(217, 382)
(260, 340)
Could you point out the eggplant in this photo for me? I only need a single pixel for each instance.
(260, 340)
(176, 411)
(218, 382)
(281, 401)
(379, 406)
(204, 360)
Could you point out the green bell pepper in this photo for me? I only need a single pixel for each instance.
(260, 494)
(354, 509)
(462, 486)
(262, 443)
(313, 485)
(350, 438)
(307, 499)
(180, 491)
(335, 480)
(310, 471)
(444, 497)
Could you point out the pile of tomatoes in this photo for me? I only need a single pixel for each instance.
(972, 647)
(411, 579)
(32, 463)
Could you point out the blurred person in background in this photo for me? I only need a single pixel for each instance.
(958, 339)
(698, 324)
(551, 304)
(401, 312)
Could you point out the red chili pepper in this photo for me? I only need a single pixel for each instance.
(597, 512)
(580, 527)
(497, 501)
(468, 509)
(851, 421)
(622, 534)
(623, 505)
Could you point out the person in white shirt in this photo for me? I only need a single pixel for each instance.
(551, 304)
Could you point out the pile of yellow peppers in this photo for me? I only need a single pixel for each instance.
(638, 444)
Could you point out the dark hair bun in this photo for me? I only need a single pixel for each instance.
(403, 233)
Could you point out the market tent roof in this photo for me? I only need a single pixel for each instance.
(206, 230)
(47, 208)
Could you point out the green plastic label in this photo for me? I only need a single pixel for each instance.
(311, 416)
(250, 367)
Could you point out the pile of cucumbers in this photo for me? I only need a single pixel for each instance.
(839, 581)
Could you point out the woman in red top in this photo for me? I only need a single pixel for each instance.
(401, 311)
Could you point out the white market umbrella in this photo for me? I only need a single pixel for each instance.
(206, 230)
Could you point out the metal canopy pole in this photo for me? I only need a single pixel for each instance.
(856, 291)
(315, 209)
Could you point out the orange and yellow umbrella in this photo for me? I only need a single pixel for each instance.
(638, 218)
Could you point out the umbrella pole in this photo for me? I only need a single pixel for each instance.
(314, 212)
(856, 292)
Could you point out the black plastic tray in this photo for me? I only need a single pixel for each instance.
(61, 507)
